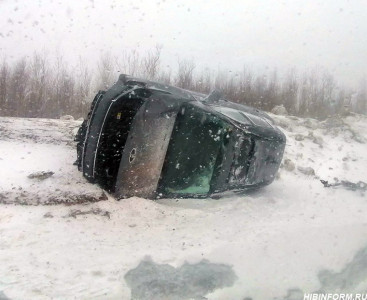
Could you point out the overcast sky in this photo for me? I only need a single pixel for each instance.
(227, 34)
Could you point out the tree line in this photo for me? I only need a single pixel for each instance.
(39, 87)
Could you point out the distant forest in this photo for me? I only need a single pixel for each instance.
(38, 87)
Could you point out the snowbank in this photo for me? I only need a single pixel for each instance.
(290, 238)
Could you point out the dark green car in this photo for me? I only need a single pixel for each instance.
(147, 139)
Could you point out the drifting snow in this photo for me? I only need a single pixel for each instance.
(290, 238)
(28, 146)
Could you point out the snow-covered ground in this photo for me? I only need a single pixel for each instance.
(63, 238)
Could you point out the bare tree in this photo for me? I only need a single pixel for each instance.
(4, 81)
(361, 101)
(260, 84)
(184, 78)
(246, 87)
(289, 92)
(61, 90)
(53, 103)
(83, 89)
(271, 95)
(105, 76)
(38, 72)
(35, 88)
(203, 82)
(326, 96)
(129, 63)
(310, 93)
(151, 63)
(165, 76)
(18, 88)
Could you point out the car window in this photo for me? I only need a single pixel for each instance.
(187, 168)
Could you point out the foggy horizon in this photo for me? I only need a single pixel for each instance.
(328, 36)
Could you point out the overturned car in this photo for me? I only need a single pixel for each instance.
(147, 139)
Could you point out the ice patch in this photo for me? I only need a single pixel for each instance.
(352, 278)
(161, 281)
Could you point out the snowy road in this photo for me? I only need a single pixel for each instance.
(290, 238)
